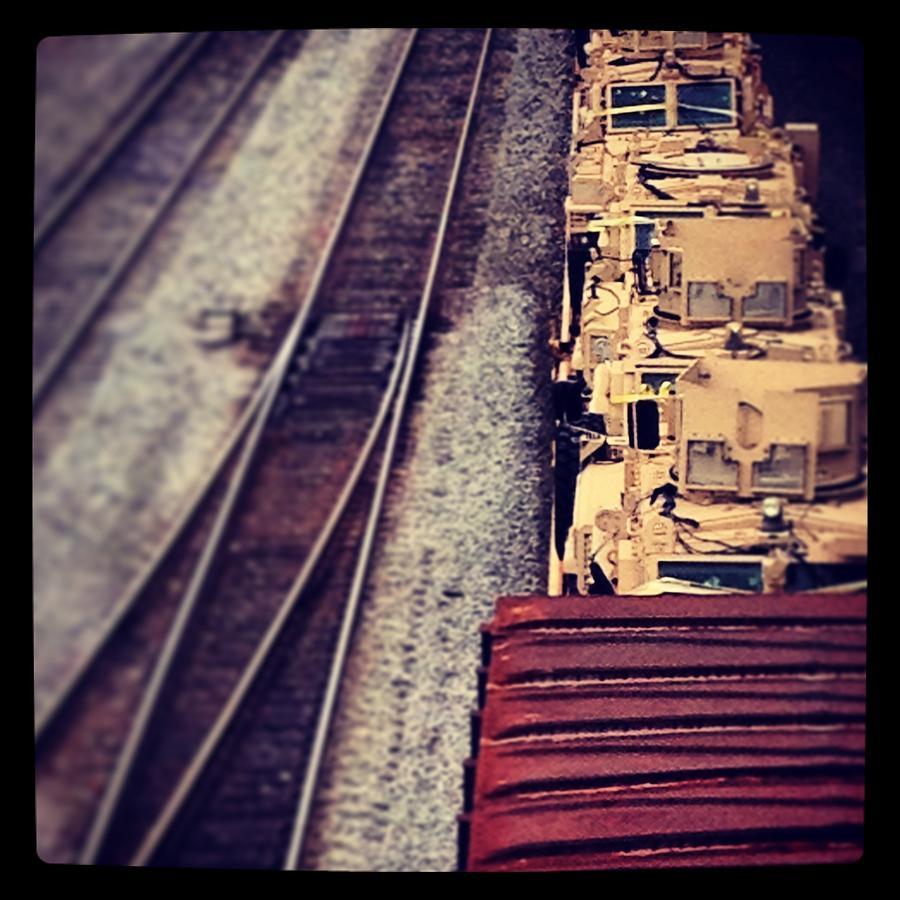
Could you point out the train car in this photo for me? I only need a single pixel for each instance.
(691, 692)
(647, 732)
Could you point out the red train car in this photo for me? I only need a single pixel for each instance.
(647, 732)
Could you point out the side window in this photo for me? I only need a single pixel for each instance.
(708, 466)
(768, 301)
(785, 469)
(706, 301)
(745, 576)
(600, 349)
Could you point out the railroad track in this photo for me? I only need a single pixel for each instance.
(59, 196)
(211, 743)
(96, 229)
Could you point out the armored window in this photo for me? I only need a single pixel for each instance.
(769, 301)
(630, 99)
(690, 38)
(834, 425)
(745, 576)
(707, 466)
(600, 351)
(705, 103)
(705, 301)
(805, 576)
(643, 235)
(784, 470)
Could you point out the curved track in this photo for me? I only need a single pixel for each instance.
(205, 778)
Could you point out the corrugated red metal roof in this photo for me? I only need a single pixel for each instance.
(623, 732)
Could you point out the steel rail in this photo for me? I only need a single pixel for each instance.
(149, 700)
(59, 356)
(140, 582)
(116, 786)
(184, 52)
(200, 759)
(323, 725)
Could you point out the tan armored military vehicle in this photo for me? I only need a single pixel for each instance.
(712, 423)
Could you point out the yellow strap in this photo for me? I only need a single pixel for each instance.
(620, 110)
(618, 221)
(712, 109)
(646, 393)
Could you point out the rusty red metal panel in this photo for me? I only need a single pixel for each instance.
(683, 731)
(607, 611)
(545, 705)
